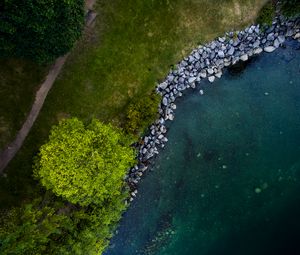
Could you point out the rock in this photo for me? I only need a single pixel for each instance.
(203, 74)
(221, 54)
(276, 43)
(256, 44)
(218, 74)
(192, 79)
(231, 51)
(258, 50)
(163, 85)
(244, 57)
(296, 36)
(269, 49)
(170, 78)
(270, 37)
(289, 33)
(211, 78)
(213, 45)
(221, 39)
(171, 117)
(210, 71)
(165, 101)
(281, 39)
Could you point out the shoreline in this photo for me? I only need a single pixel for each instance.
(206, 62)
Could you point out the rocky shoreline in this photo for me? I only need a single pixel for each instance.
(206, 62)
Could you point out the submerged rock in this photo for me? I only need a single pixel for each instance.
(269, 49)
(211, 78)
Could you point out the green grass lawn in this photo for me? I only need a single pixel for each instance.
(131, 48)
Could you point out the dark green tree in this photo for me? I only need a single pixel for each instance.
(40, 30)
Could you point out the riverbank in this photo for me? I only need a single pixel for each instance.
(207, 62)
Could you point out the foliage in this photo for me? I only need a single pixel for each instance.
(266, 14)
(39, 30)
(85, 165)
(27, 230)
(290, 8)
(140, 113)
(41, 228)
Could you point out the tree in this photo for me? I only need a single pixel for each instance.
(40, 30)
(85, 165)
(31, 228)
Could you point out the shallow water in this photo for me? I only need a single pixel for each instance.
(228, 181)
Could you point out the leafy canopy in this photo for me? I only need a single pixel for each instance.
(40, 30)
(85, 165)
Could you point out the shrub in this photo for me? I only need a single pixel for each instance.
(141, 113)
(266, 14)
(290, 8)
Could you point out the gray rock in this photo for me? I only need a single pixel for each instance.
(270, 37)
(213, 45)
(203, 74)
(192, 79)
(218, 74)
(297, 35)
(269, 49)
(244, 57)
(231, 51)
(221, 39)
(221, 54)
(211, 78)
(210, 71)
(281, 39)
(165, 101)
(256, 44)
(276, 43)
(163, 85)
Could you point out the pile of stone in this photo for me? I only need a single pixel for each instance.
(207, 62)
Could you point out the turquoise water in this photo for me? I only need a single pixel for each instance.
(228, 181)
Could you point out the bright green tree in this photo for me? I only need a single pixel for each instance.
(40, 30)
(85, 164)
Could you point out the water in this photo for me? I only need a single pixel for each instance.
(229, 180)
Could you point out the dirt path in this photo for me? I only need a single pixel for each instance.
(11, 150)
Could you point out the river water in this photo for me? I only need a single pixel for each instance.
(228, 181)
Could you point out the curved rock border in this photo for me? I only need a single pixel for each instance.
(206, 62)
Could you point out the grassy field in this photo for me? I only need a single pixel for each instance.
(131, 48)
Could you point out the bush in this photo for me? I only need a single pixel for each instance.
(266, 14)
(85, 165)
(141, 113)
(290, 8)
(39, 30)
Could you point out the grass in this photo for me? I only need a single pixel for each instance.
(132, 46)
